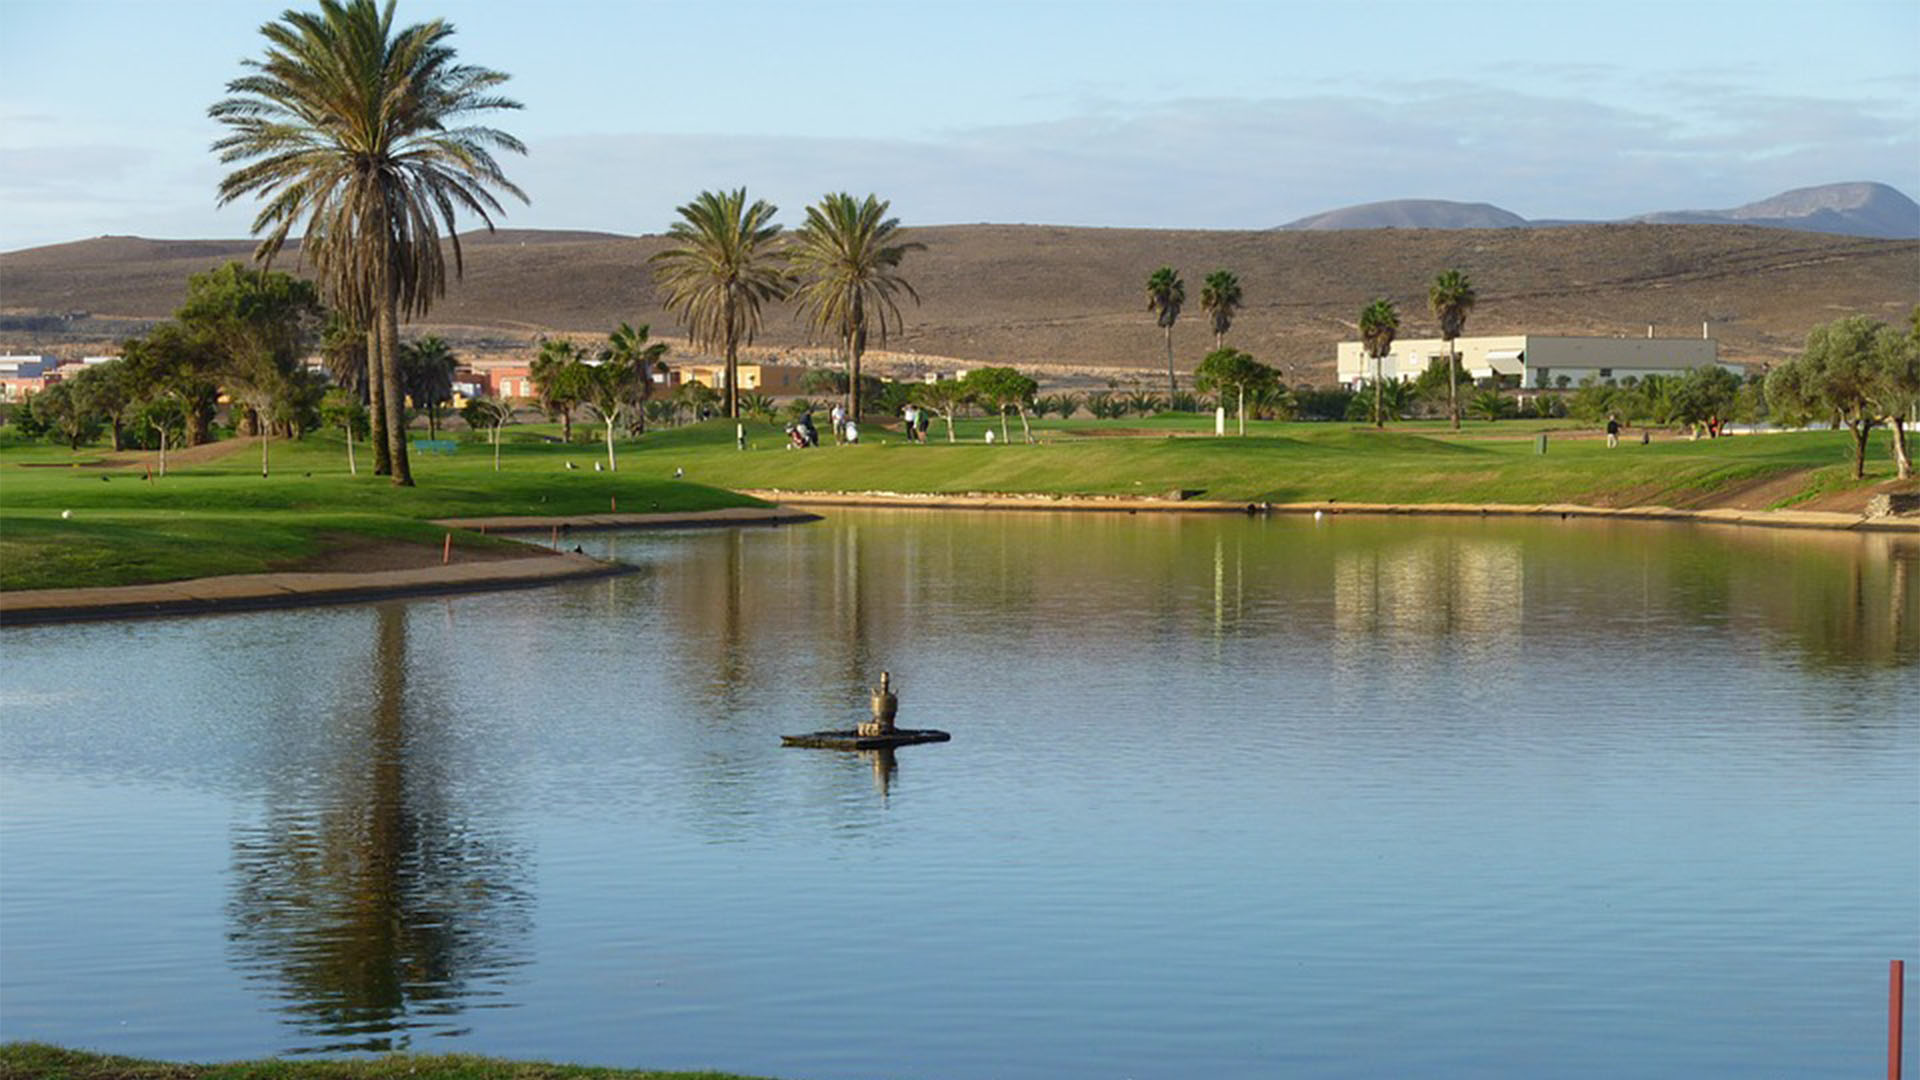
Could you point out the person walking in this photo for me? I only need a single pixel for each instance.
(1613, 431)
(911, 415)
(839, 415)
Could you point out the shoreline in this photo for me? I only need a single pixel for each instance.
(259, 592)
(1776, 519)
(228, 593)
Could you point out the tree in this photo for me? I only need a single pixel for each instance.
(559, 381)
(615, 381)
(1834, 377)
(1379, 322)
(1003, 388)
(945, 397)
(1220, 299)
(260, 323)
(1894, 390)
(845, 261)
(172, 370)
(1166, 293)
(1231, 369)
(1705, 395)
(357, 134)
(343, 352)
(492, 414)
(426, 377)
(341, 408)
(720, 273)
(108, 391)
(1451, 297)
(65, 414)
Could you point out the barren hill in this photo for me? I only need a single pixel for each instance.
(1073, 298)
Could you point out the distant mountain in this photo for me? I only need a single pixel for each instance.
(1858, 209)
(1414, 214)
(1852, 209)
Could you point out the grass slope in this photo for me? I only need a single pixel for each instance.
(43, 1062)
(218, 515)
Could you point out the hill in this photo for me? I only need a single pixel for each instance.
(1058, 298)
(1413, 214)
(1854, 209)
(1861, 209)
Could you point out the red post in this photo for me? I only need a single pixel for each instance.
(446, 551)
(1896, 990)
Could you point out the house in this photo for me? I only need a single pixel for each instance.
(774, 380)
(23, 375)
(1534, 361)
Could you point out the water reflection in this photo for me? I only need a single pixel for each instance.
(369, 899)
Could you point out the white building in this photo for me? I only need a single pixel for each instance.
(1534, 361)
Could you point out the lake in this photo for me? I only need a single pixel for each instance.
(1226, 797)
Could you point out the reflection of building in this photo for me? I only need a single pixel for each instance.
(1391, 603)
(1534, 361)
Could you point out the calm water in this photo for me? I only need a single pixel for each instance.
(1226, 797)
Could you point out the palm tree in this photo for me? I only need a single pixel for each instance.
(356, 133)
(1220, 298)
(629, 346)
(844, 261)
(427, 368)
(1379, 322)
(1451, 298)
(721, 272)
(1165, 295)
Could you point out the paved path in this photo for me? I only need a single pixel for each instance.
(1778, 519)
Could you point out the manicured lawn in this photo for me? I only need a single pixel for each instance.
(43, 1062)
(214, 513)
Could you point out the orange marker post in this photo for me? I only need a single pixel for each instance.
(1896, 991)
(446, 550)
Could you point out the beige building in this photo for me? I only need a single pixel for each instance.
(773, 380)
(1535, 361)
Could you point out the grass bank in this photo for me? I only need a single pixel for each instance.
(215, 514)
(42, 1062)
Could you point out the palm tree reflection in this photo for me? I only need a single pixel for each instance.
(377, 908)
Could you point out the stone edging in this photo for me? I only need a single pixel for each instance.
(1778, 519)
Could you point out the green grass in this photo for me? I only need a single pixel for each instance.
(218, 515)
(42, 1062)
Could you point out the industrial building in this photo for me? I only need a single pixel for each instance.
(1535, 361)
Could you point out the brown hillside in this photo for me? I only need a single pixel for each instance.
(1072, 298)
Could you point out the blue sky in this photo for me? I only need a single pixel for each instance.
(1204, 115)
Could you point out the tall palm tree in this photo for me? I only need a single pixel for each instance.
(357, 133)
(1220, 298)
(1166, 293)
(845, 263)
(721, 272)
(1451, 298)
(1379, 323)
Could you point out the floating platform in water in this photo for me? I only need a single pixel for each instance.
(853, 740)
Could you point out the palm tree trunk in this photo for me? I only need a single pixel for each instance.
(1171, 387)
(377, 400)
(390, 375)
(1379, 414)
(163, 450)
(853, 377)
(733, 360)
(1453, 398)
(1243, 409)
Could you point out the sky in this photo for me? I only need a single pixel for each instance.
(1071, 112)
